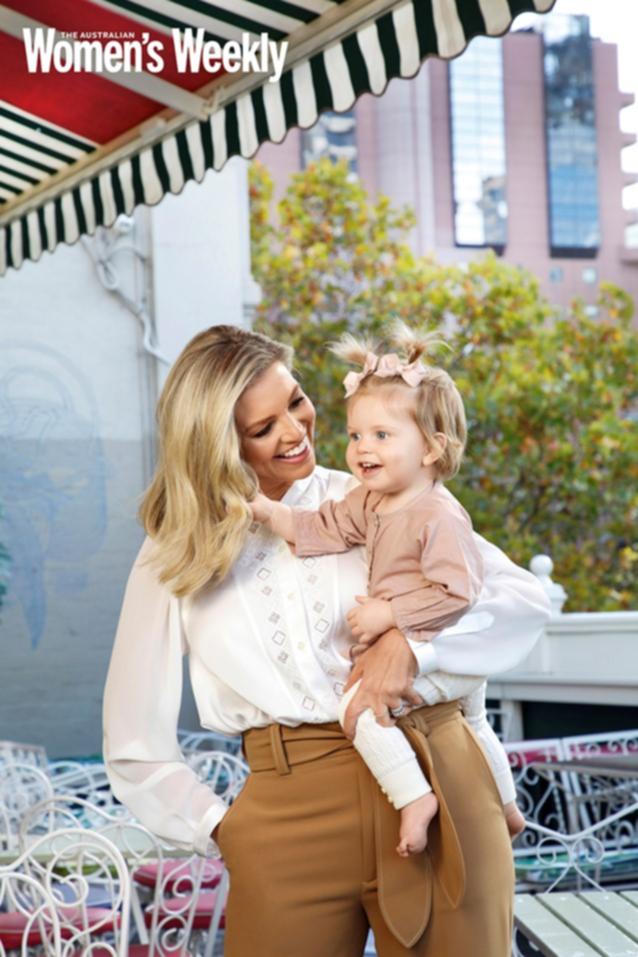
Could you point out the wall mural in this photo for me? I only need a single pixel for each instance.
(52, 477)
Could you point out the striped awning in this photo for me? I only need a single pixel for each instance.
(79, 148)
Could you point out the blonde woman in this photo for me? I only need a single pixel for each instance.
(310, 842)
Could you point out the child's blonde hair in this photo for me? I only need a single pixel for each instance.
(438, 406)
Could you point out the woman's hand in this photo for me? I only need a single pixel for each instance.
(372, 617)
(386, 669)
(261, 507)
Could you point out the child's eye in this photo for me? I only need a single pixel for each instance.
(354, 436)
(381, 434)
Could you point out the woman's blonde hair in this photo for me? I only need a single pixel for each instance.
(438, 406)
(195, 508)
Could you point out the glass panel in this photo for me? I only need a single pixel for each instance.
(574, 219)
(478, 144)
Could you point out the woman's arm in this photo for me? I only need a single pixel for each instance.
(510, 615)
(386, 669)
(142, 697)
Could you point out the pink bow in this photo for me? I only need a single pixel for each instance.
(412, 373)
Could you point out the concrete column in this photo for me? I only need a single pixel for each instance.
(394, 147)
(424, 158)
(442, 158)
(525, 145)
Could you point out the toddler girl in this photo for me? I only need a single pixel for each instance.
(406, 428)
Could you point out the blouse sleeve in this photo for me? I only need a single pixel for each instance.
(334, 527)
(452, 570)
(144, 764)
(509, 617)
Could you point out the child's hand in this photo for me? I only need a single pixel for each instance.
(370, 619)
(261, 507)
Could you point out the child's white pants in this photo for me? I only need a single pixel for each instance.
(388, 754)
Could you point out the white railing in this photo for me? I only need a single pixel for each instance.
(582, 658)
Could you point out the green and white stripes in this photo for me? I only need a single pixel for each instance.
(393, 45)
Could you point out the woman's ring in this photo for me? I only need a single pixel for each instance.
(397, 712)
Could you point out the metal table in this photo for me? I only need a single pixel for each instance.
(599, 765)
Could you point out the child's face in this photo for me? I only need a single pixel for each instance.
(387, 449)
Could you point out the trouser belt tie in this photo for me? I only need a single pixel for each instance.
(404, 884)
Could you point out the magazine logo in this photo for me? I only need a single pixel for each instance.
(98, 52)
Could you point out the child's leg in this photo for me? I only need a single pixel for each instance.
(393, 763)
(441, 686)
(476, 716)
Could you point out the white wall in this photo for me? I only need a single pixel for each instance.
(201, 258)
(77, 397)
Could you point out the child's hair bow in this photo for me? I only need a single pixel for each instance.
(387, 366)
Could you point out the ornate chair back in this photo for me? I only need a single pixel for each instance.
(49, 887)
(21, 786)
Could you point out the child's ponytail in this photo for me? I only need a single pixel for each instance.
(414, 343)
(353, 351)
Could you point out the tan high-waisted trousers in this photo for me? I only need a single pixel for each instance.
(310, 847)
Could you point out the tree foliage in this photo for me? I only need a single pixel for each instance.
(551, 396)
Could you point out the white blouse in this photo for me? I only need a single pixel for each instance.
(269, 644)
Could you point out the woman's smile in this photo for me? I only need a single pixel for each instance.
(298, 453)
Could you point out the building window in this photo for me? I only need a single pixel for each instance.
(590, 275)
(631, 236)
(572, 164)
(478, 145)
(333, 135)
(556, 274)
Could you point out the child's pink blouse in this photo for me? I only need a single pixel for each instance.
(422, 558)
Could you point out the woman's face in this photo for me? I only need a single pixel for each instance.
(276, 423)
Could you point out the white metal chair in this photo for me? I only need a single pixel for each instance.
(540, 798)
(225, 773)
(207, 741)
(172, 900)
(595, 859)
(595, 797)
(21, 786)
(15, 752)
(49, 887)
(26, 907)
(602, 743)
(85, 780)
(589, 857)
